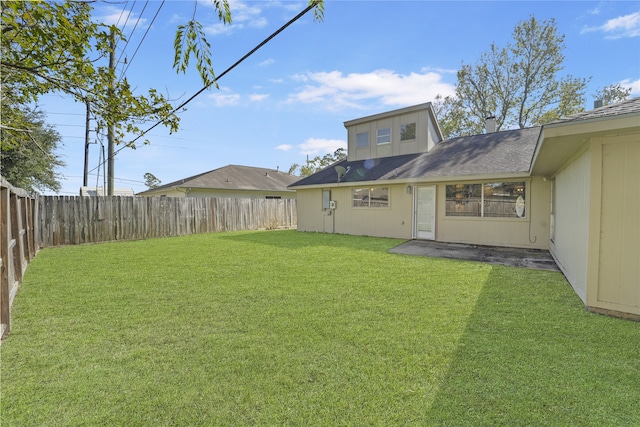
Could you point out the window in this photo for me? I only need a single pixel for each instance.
(384, 136)
(408, 132)
(464, 200)
(371, 197)
(489, 200)
(504, 200)
(362, 140)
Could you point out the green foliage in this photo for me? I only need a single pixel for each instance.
(191, 40)
(318, 163)
(321, 330)
(55, 47)
(612, 94)
(151, 181)
(29, 159)
(50, 47)
(518, 84)
(453, 118)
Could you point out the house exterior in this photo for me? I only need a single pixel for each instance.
(592, 161)
(230, 181)
(570, 187)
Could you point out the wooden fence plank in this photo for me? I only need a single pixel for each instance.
(17, 246)
(80, 219)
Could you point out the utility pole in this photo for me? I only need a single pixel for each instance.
(111, 129)
(85, 180)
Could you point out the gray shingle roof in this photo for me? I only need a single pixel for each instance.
(628, 106)
(234, 177)
(488, 154)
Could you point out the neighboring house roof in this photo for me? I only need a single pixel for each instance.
(498, 153)
(101, 191)
(234, 177)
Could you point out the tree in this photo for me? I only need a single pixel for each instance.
(518, 84)
(319, 163)
(151, 181)
(612, 94)
(29, 160)
(50, 47)
(55, 47)
(452, 117)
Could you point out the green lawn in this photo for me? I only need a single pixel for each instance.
(299, 329)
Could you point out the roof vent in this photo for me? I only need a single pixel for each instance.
(490, 124)
(597, 103)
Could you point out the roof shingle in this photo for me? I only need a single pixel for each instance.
(494, 153)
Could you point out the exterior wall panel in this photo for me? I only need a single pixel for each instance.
(616, 284)
(426, 136)
(571, 242)
(394, 221)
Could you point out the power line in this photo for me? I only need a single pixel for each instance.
(134, 26)
(251, 52)
(143, 37)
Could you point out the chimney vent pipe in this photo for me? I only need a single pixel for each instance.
(490, 124)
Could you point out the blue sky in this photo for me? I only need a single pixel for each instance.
(291, 97)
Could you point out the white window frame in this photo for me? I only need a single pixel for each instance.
(382, 135)
(369, 191)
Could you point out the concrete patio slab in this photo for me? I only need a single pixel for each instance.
(536, 259)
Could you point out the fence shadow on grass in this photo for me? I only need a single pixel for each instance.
(532, 355)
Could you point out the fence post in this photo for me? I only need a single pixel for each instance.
(5, 237)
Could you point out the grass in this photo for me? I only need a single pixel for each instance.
(288, 328)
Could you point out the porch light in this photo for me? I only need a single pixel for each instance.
(409, 189)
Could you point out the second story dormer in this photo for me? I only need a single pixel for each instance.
(404, 131)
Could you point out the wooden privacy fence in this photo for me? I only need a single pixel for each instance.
(17, 245)
(65, 220)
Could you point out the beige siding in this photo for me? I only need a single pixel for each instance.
(529, 232)
(397, 220)
(616, 226)
(394, 221)
(426, 136)
(310, 212)
(571, 242)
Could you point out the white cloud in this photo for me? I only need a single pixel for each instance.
(266, 62)
(256, 97)
(111, 15)
(319, 146)
(224, 99)
(620, 27)
(242, 16)
(634, 85)
(284, 147)
(338, 91)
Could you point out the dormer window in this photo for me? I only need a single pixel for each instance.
(362, 140)
(384, 136)
(408, 132)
